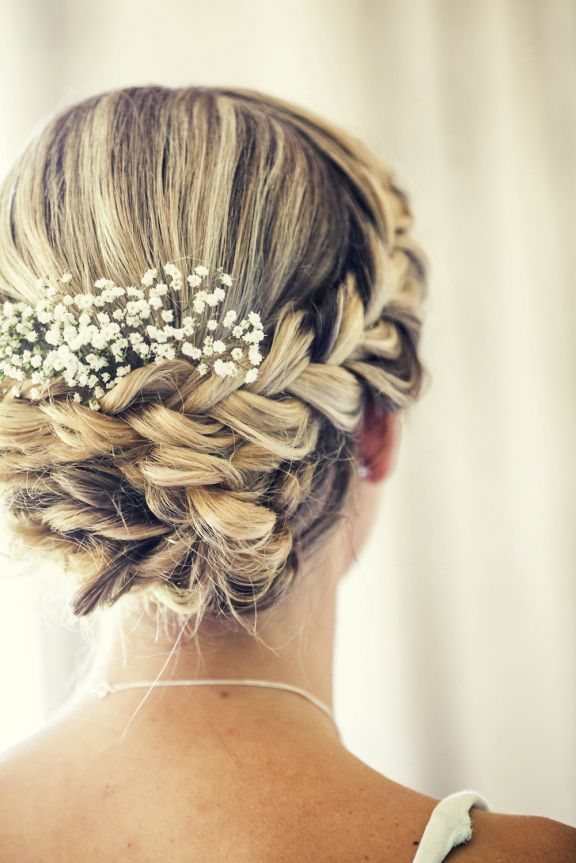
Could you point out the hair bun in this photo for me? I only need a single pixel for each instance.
(198, 492)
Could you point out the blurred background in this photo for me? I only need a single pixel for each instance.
(461, 612)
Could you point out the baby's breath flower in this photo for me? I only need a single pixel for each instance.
(211, 299)
(131, 291)
(251, 336)
(225, 369)
(254, 355)
(229, 318)
(176, 276)
(83, 301)
(53, 336)
(199, 302)
(148, 278)
(190, 350)
(117, 330)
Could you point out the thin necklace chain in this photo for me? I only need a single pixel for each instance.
(104, 688)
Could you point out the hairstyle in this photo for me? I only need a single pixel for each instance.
(204, 493)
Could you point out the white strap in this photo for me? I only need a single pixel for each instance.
(449, 825)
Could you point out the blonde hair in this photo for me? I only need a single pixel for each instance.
(206, 495)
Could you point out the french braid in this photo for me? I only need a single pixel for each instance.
(206, 494)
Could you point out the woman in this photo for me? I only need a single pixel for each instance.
(206, 491)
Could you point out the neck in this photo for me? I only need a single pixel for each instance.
(297, 646)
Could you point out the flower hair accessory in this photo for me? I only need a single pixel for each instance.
(92, 341)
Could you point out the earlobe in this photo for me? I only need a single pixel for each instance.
(364, 471)
(377, 444)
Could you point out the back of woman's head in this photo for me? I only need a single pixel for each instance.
(206, 492)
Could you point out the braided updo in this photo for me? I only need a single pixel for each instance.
(205, 493)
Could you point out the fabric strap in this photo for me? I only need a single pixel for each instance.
(449, 825)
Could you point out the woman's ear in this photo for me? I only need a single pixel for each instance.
(378, 442)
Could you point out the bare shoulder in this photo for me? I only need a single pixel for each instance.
(496, 837)
(336, 810)
(553, 839)
(29, 777)
(503, 838)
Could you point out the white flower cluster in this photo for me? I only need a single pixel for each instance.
(92, 340)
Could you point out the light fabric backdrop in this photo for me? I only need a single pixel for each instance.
(456, 654)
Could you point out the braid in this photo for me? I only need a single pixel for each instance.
(201, 495)
(206, 494)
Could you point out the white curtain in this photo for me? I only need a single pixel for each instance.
(456, 661)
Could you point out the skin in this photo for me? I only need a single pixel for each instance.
(234, 773)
